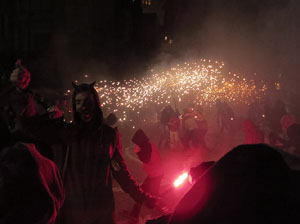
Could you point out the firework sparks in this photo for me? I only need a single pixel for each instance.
(201, 82)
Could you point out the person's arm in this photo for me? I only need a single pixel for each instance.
(50, 131)
(125, 179)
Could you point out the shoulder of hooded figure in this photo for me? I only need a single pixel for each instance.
(109, 133)
(108, 128)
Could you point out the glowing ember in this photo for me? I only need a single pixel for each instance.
(201, 82)
(180, 180)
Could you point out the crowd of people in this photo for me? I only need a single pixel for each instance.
(53, 171)
(89, 151)
(184, 130)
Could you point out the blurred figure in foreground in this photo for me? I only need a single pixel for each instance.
(250, 184)
(31, 189)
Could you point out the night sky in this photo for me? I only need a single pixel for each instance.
(60, 41)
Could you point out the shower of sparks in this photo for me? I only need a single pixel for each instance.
(200, 83)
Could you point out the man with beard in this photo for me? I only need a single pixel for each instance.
(91, 159)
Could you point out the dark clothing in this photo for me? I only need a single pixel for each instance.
(166, 114)
(93, 161)
(31, 189)
(15, 103)
(197, 171)
(148, 154)
(250, 184)
(140, 138)
(6, 138)
(93, 158)
(142, 141)
(150, 185)
(196, 137)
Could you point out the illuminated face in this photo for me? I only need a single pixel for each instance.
(85, 106)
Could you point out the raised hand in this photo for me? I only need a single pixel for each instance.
(20, 76)
(54, 112)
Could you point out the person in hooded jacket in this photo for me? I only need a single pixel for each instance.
(152, 164)
(91, 159)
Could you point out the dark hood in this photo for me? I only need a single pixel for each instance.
(140, 138)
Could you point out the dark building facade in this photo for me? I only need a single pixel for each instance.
(56, 34)
(26, 26)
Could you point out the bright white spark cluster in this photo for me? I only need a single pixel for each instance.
(201, 83)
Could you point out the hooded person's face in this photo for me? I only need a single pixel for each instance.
(85, 106)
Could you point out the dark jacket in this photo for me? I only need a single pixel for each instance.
(31, 189)
(148, 154)
(14, 104)
(90, 160)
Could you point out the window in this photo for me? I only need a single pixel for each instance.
(146, 2)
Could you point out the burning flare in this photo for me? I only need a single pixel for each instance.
(180, 180)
